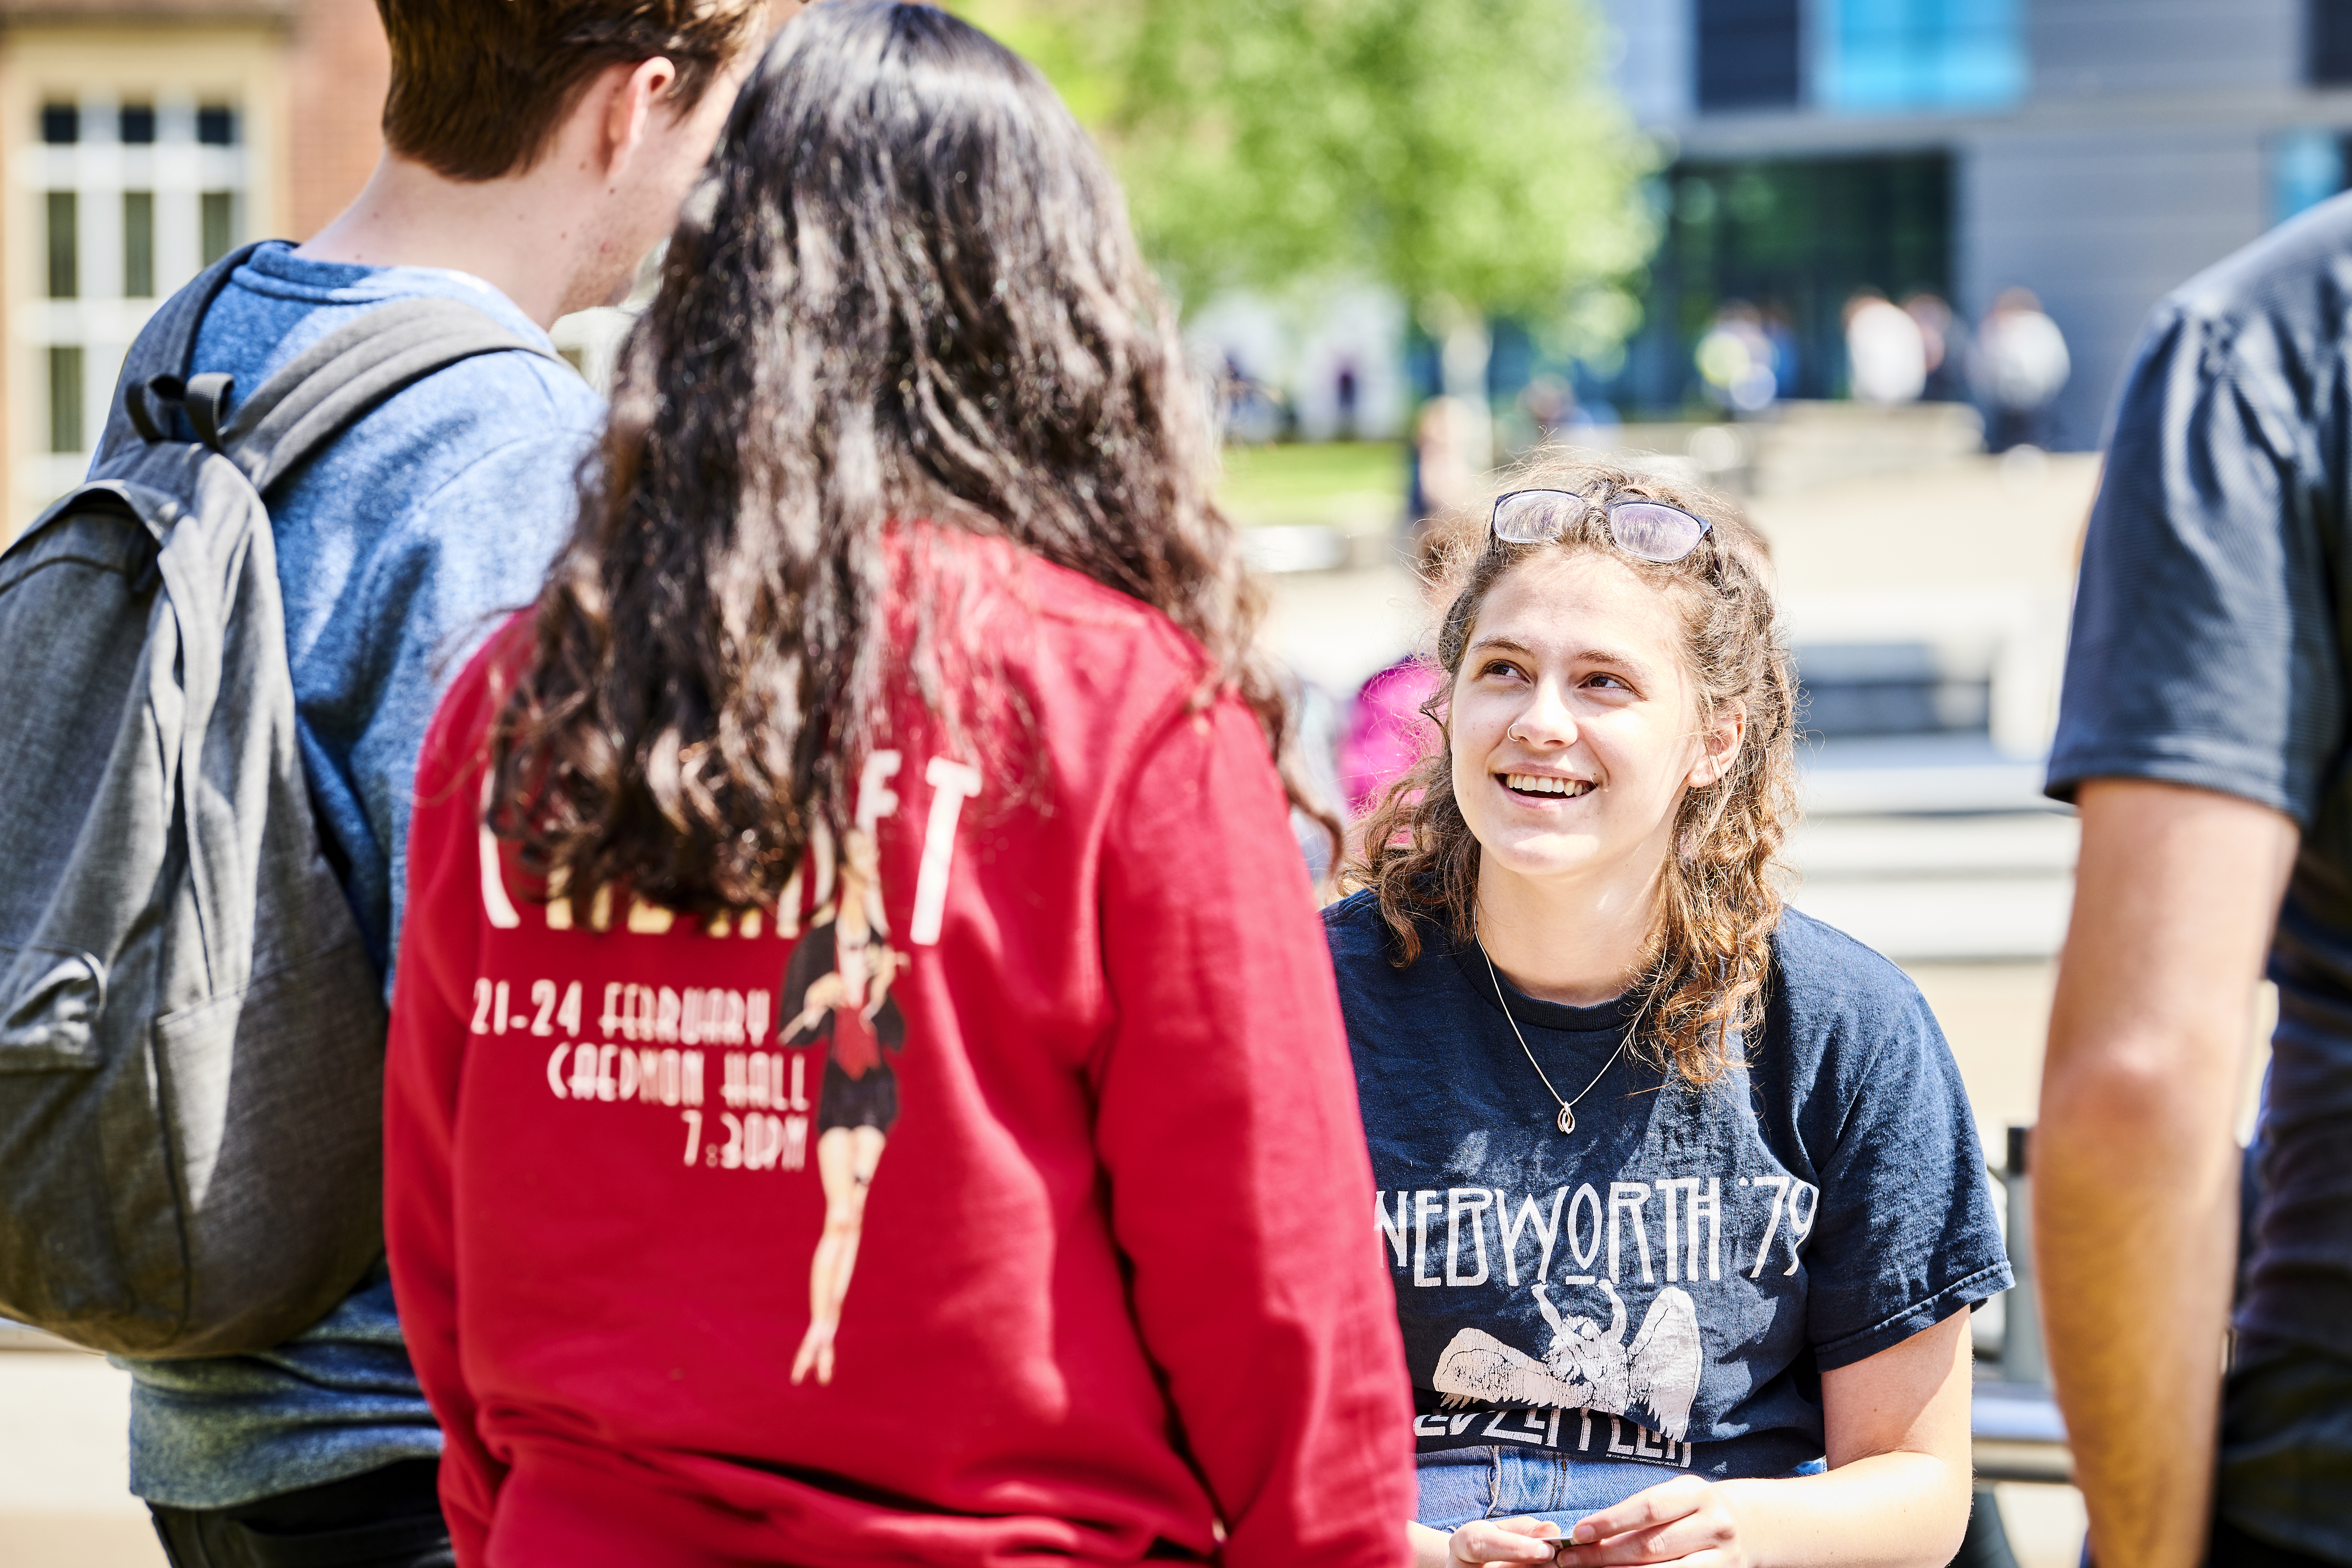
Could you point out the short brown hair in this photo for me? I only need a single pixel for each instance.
(479, 85)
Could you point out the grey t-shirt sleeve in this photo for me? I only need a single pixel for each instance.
(2204, 652)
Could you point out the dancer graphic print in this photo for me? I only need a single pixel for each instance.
(838, 990)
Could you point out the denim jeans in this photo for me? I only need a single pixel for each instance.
(1459, 1485)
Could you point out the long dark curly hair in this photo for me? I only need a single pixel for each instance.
(1710, 944)
(907, 290)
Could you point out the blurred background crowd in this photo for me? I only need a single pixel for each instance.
(1872, 268)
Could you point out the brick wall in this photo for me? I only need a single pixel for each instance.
(338, 69)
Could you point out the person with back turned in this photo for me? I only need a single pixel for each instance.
(866, 1083)
(535, 151)
(2203, 735)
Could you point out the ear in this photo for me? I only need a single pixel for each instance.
(1719, 747)
(631, 95)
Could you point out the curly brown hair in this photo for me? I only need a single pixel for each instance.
(1710, 947)
(907, 290)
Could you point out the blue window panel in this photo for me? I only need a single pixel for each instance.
(2306, 168)
(2328, 42)
(1749, 54)
(1890, 56)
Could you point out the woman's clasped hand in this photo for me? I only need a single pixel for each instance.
(1483, 1540)
(1685, 1520)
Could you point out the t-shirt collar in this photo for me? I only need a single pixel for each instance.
(352, 283)
(1603, 1018)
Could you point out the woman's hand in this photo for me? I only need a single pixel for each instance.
(1485, 1540)
(1685, 1521)
(1896, 1494)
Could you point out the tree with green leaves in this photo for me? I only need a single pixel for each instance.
(1467, 153)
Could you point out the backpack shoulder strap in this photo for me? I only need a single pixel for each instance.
(164, 348)
(332, 384)
(168, 342)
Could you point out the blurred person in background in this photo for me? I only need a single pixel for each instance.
(1253, 411)
(2203, 735)
(1736, 360)
(1547, 411)
(1885, 353)
(902, 542)
(2019, 367)
(1442, 477)
(533, 153)
(1387, 731)
(1943, 339)
(1549, 406)
(1773, 322)
(1568, 970)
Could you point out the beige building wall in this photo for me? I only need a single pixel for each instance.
(178, 60)
(338, 70)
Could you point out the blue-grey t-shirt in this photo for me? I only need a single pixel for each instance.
(2209, 644)
(398, 548)
(1661, 1290)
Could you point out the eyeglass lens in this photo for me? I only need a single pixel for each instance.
(1538, 517)
(1653, 531)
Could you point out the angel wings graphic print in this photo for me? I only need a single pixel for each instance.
(1586, 1368)
(1665, 1285)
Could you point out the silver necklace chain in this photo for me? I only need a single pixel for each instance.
(1566, 1120)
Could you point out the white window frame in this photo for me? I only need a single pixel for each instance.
(99, 168)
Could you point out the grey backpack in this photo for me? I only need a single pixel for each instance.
(190, 1033)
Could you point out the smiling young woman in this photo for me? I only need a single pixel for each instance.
(1611, 1081)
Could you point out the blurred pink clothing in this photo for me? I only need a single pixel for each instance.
(1387, 733)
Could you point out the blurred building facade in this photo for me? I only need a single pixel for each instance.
(2098, 152)
(139, 139)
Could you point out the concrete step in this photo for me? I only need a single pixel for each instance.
(1934, 849)
(1844, 848)
(1914, 774)
(64, 1418)
(1946, 919)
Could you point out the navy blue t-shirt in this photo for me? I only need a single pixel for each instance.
(1664, 1285)
(2209, 649)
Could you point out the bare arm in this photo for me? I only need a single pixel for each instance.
(2136, 1173)
(1896, 1494)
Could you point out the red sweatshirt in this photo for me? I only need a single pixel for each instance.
(1096, 1297)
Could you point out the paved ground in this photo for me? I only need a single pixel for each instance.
(2044, 1524)
(62, 1461)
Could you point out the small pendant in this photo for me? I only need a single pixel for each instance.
(1567, 1121)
